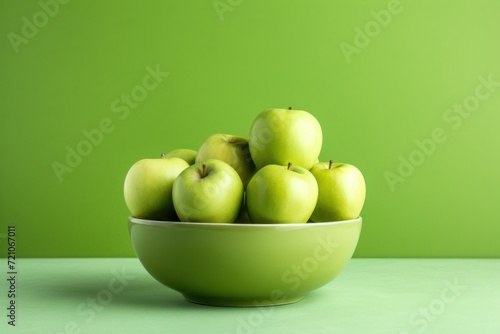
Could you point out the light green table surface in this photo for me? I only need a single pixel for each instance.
(370, 296)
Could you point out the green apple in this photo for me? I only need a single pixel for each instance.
(281, 194)
(341, 191)
(209, 192)
(278, 136)
(230, 149)
(185, 154)
(148, 187)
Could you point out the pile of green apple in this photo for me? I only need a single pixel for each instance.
(273, 177)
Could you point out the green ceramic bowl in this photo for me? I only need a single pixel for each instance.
(244, 264)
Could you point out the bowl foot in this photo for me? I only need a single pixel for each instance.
(240, 302)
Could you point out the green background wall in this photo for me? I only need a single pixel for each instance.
(375, 93)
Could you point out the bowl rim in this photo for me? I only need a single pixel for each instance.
(141, 221)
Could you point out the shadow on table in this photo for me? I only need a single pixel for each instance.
(141, 290)
(117, 287)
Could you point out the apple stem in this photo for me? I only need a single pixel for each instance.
(204, 172)
(289, 165)
(289, 108)
(330, 164)
(163, 155)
